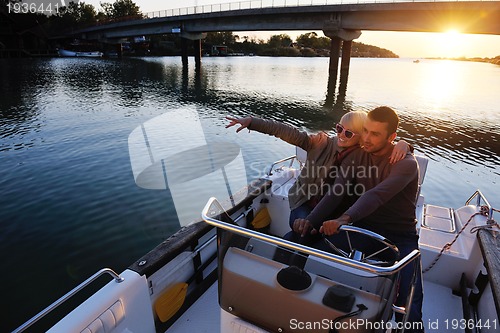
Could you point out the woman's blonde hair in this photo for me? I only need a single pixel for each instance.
(354, 120)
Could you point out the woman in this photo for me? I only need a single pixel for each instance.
(324, 154)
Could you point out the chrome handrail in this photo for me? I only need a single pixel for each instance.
(291, 158)
(480, 196)
(64, 298)
(305, 249)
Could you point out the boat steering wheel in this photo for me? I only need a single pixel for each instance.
(358, 255)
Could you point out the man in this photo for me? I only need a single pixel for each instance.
(387, 204)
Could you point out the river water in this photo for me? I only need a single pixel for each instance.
(68, 201)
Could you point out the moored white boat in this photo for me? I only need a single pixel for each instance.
(89, 54)
(221, 274)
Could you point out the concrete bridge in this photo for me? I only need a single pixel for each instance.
(472, 17)
(342, 22)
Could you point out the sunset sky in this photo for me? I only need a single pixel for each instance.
(404, 44)
(419, 44)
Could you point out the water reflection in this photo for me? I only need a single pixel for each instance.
(23, 88)
(440, 83)
(134, 82)
(455, 142)
(471, 144)
(336, 100)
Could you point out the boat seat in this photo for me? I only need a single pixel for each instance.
(282, 180)
(422, 162)
(301, 155)
(422, 167)
(439, 218)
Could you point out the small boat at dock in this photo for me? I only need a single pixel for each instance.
(88, 54)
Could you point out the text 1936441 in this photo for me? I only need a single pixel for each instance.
(34, 7)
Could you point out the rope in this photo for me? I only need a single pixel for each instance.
(483, 210)
(490, 225)
(361, 308)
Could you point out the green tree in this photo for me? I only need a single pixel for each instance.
(125, 8)
(221, 38)
(312, 40)
(120, 8)
(307, 39)
(106, 9)
(86, 13)
(323, 43)
(364, 50)
(74, 14)
(282, 40)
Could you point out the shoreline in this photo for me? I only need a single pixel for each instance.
(494, 61)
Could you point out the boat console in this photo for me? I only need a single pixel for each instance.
(310, 287)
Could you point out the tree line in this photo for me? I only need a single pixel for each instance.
(306, 45)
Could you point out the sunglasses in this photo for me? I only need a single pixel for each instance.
(348, 133)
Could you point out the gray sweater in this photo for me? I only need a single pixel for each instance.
(387, 192)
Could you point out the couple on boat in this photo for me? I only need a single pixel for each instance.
(358, 177)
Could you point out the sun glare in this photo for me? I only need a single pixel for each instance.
(451, 44)
(442, 83)
(454, 36)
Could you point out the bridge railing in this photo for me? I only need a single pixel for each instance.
(253, 4)
(257, 4)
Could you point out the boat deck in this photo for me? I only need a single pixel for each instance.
(202, 316)
(442, 312)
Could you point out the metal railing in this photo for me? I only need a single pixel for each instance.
(292, 159)
(383, 271)
(64, 298)
(260, 4)
(480, 196)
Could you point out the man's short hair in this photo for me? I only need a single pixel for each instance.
(385, 114)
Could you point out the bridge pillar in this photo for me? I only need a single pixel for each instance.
(184, 52)
(333, 68)
(196, 38)
(341, 39)
(197, 53)
(344, 65)
(119, 49)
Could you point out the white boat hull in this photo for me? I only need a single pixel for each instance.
(88, 54)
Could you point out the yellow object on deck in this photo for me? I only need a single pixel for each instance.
(262, 219)
(167, 305)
